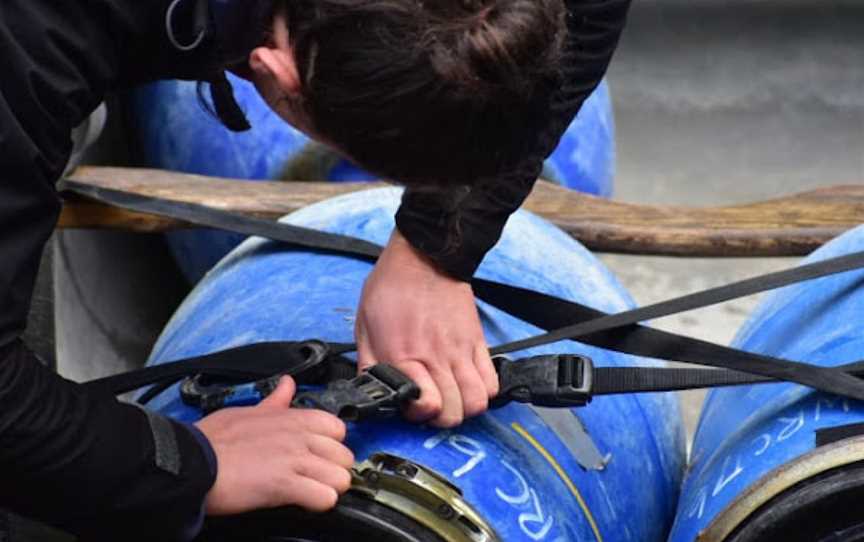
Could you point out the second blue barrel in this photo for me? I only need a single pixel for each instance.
(780, 462)
(607, 472)
(174, 131)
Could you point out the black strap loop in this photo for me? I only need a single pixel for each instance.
(243, 363)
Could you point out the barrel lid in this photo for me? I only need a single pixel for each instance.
(423, 495)
(814, 498)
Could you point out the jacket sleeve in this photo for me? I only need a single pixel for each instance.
(69, 456)
(93, 466)
(456, 227)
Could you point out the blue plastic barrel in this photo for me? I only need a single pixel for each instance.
(533, 474)
(757, 473)
(173, 131)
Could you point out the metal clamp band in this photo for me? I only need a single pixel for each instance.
(422, 495)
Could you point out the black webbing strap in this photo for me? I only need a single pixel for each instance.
(830, 435)
(548, 312)
(202, 215)
(616, 380)
(616, 332)
(705, 298)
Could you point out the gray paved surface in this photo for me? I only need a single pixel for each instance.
(730, 101)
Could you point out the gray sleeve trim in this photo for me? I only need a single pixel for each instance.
(5, 527)
(165, 447)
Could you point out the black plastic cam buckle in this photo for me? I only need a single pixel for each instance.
(376, 393)
(563, 380)
(212, 394)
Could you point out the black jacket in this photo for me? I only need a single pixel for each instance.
(86, 462)
(79, 460)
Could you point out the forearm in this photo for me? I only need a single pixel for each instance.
(89, 464)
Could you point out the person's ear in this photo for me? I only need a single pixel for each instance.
(276, 65)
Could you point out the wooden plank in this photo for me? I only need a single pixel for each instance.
(785, 226)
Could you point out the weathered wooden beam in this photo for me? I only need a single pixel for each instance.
(785, 226)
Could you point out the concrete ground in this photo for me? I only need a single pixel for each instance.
(723, 101)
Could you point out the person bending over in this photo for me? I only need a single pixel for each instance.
(459, 100)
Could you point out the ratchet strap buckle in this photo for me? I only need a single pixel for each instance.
(561, 380)
(376, 393)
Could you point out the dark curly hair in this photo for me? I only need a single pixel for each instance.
(428, 91)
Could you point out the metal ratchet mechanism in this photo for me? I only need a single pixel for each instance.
(422, 495)
(560, 380)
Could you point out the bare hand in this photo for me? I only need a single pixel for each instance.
(425, 323)
(272, 455)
